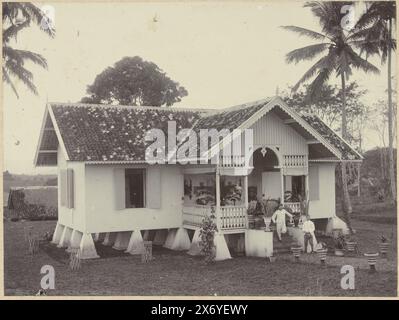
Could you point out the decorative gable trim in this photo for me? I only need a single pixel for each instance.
(57, 131)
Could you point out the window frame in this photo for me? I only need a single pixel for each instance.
(127, 187)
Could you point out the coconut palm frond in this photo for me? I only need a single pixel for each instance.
(12, 11)
(21, 74)
(13, 30)
(343, 65)
(7, 79)
(329, 15)
(390, 45)
(374, 31)
(360, 63)
(31, 56)
(306, 53)
(325, 62)
(17, 16)
(306, 32)
(315, 88)
(30, 11)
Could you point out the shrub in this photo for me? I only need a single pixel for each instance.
(207, 235)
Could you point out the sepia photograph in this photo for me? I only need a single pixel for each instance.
(199, 150)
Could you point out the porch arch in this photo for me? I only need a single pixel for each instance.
(265, 178)
(270, 154)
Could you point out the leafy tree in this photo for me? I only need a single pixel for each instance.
(375, 38)
(328, 107)
(337, 47)
(133, 81)
(16, 17)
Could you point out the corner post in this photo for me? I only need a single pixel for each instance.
(217, 209)
(282, 184)
(246, 200)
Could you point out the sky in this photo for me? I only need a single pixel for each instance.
(224, 54)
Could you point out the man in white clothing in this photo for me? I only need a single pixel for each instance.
(308, 229)
(279, 219)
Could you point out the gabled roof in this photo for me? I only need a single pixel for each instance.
(113, 133)
(107, 133)
(229, 118)
(347, 152)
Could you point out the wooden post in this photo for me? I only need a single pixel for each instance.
(217, 182)
(358, 179)
(75, 259)
(33, 243)
(307, 187)
(146, 255)
(245, 192)
(282, 185)
(246, 200)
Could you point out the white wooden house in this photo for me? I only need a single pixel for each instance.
(108, 190)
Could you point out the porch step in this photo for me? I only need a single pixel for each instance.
(282, 247)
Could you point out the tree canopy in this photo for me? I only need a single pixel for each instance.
(134, 81)
(328, 107)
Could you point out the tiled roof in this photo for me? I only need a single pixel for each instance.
(110, 133)
(230, 118)
(226, 119)
(103, 133)
(327, 133)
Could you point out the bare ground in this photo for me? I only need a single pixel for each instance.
(174, 273)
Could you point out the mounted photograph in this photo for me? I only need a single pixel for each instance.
(200, 149)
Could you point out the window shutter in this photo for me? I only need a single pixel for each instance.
(63, 187)
(314, 183)
(153, 187)
(70, 189)
(119, 188)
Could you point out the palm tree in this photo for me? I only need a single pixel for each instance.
(338, 57)
(17, 16)
(375, 38)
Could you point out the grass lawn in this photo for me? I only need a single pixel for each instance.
(175, 273)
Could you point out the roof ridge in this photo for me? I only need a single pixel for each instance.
(209, 111)
(238, 106)
(115, 106)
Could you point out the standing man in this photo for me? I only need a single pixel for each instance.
(308, 229)
(279, 219)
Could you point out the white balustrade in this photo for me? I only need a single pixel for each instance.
(194, 215)
(232, 161)
(231, 217)
(295, 161)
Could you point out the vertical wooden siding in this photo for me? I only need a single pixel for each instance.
(271, 130)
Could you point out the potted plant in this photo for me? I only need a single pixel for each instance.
(351, 244)
(251, 214)
(384, 245)
(272, 259)
(339, 244)
(296, 250)
(372, 260)
(322, 252)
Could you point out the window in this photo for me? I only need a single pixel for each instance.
(298, 186)
(67, 188)
(134, 188)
